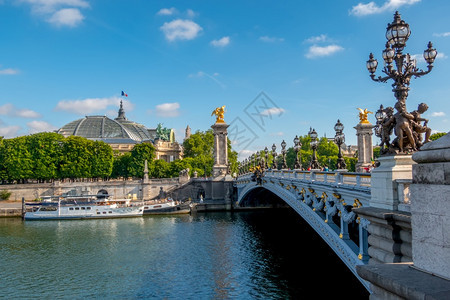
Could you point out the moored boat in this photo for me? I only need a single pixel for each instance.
(166, 207)
(83, 207)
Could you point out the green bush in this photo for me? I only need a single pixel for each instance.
(5, 194)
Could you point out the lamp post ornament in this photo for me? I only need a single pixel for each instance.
(407, 126)
(339, 139)
(283, 153)
(297, 146)
(274, 157)
(313, 135)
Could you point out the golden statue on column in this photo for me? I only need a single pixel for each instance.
(363, 115)
(219, 113)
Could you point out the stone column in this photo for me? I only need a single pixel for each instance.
(220, 166)
(430, 208)
(365, 151)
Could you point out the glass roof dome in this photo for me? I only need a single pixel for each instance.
(119, 130)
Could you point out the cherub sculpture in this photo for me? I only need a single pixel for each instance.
(418, 128)
(219, 113)
(363, 116)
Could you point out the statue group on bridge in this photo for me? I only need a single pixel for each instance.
(407, 127)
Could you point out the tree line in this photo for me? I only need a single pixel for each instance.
(50, 156)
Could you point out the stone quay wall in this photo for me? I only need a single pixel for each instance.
(135, 189)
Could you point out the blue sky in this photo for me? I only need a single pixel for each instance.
(278, 66)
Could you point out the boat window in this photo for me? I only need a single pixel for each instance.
(88, 208)
(49, 208)
(70, 208)
(77, 208)
(98, 213)
(83, 208)
(104, 212)
(110, 212)
(146, 207)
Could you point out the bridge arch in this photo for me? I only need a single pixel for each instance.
(302, 203)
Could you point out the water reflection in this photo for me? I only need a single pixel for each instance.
(266, 254)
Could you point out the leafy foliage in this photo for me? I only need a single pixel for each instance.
(437, 135)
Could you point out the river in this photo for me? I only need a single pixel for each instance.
(267, 254)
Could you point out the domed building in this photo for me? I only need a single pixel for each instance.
(122, 134)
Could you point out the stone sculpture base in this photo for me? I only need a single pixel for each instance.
(384, 187)
(220, 167)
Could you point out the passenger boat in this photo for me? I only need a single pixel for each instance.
(83, 207)
(166, 207)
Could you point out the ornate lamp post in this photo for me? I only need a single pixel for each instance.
(274, 157)
(297, 146)
(283, 153)
(339, 139)
(313, 135)
(397, 33)
(266, 152)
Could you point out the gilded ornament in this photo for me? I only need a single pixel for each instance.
(363, 115)
(219, 112)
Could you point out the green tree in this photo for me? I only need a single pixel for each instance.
(178, 165)
(75, 162)
(17, 160)
(46, 151)
(102, 159)
(139, 154)
(120, 165)
(437, 135)
(159, 169)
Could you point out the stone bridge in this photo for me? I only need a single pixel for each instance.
(326, 201)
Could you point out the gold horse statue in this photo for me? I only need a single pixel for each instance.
(219, 113)
(363, 115)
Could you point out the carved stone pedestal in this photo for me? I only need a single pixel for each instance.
(383, 185)
(220, 167)
(365, 151)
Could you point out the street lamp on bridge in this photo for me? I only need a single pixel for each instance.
(339, 139)
(274, 157)
(397, 33)
(266, 152)
(313, 135)
(297, 145)
(283, 153)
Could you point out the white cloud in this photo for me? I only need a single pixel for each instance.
(438, 114)
(268, 39)
(168, 109)
(272, 111)
(221, 42)
(190, 13)
(40, 126)
(167, 11)
(90, 105)
(59, 12)
(10, 110)
(279, 133)
(9, 131)
(180, 30)
(372, 8)
(9, 71)
(70, 17)
(443, 34)
(318, 51)
(317, 39)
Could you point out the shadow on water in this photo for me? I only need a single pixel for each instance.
(291, 258)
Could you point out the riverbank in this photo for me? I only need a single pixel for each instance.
(9, 209)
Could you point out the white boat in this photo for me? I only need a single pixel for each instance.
(166, 207)
(83, 207)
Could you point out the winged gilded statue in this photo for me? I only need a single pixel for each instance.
(363, 115)
(219, 113)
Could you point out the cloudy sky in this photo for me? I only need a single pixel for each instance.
(280, 67)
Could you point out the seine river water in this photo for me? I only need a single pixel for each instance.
(269, 254)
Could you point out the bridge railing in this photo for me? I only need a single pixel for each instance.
(338, 178)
